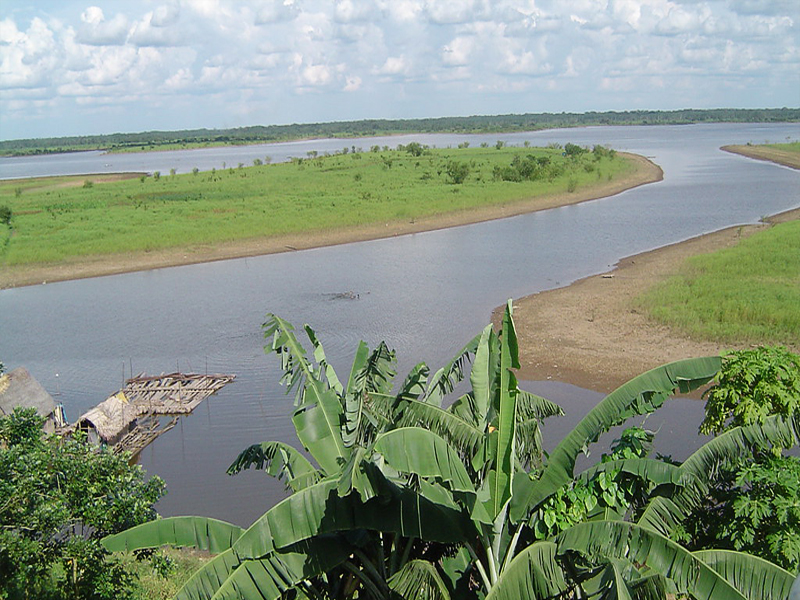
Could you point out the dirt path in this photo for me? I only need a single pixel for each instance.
(589, 335)
(647, 172)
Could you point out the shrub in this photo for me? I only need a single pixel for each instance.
(5, 215)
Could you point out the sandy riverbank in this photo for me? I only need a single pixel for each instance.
(589, 334)
(646, 172)
(776, 155)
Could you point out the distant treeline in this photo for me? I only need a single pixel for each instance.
(373, 127)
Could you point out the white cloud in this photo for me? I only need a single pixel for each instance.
(276, 11)
(395, 66)
(457, 52)
(352, 84)
(441, 56)
(167, 14)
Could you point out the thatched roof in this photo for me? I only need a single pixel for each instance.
(19, 388)
(111, 419)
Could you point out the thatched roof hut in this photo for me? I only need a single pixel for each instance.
(19, 388)
(110, 420)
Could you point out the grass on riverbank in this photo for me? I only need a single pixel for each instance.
(746, 294)
(58, 219)
(787, 154)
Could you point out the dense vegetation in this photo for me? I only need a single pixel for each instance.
(746, 294)
(405, 494)
(58, 497)
(163, 140)
(55, 219)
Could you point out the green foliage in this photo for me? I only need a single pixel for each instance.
(741, 295)
(88, 184)
(574, 150)
(400, 490)
(752, 385)
(753, 508)
(752, 504)
(5, 215)
(58, 497)
(606, 490)
(54, 221)
(457, 171)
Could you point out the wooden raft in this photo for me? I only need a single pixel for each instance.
(146, 407)
(172, 394)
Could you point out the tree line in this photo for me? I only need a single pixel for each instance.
(374, 127)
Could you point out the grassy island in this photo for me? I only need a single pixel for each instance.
(157, 219)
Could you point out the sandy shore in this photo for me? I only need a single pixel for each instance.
(776, 155)
(647, 172)
(589, 334)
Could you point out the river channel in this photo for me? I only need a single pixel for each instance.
(426, 294)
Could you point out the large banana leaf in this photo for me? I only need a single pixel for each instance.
(506, 403)
(205, 582)
(418, 580)
(756, 578)
(729, 448)
(654, 471)
(322, 361)
(461, 435)
(724, 451)
(279, 460)
(269, 578)
(375, 374)
(641, 395)
(533, 574)
(318, 423)
(196, 532)
(483, 377)
(319, 509)
(297, 370)
(600, 540)
(416, 450)
(445, 379)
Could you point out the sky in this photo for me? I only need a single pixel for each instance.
(81, 67)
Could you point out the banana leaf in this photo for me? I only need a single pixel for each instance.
(418, 580)
(195, 532)
(279, 460)
(754, 577)
(534, 574)
(318, 509)
(641, 395)
(601, 540)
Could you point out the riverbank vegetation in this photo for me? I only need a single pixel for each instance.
(61, 218)
(746, 294)
(178, 140)
(405, 493)
(787, 154)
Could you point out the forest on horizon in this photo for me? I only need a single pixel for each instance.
(149, 140)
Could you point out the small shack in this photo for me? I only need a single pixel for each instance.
(20, 388)
(110, 420)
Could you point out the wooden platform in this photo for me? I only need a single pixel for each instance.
(146, 407)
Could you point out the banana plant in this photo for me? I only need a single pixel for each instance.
(400, 493)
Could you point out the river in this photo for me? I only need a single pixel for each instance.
(426, 294)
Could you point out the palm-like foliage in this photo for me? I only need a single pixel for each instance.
(402, 495)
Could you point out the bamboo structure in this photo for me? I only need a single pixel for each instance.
(146, 407)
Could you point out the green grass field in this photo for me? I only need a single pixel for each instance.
(66, 218)
(746, 294)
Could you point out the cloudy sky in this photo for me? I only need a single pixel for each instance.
(71, 67)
